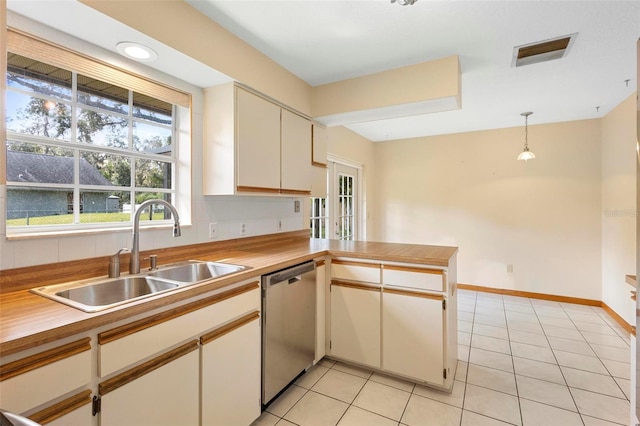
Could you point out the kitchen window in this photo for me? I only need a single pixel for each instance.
(86, 142)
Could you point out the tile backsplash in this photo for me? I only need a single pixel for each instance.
(235, 217)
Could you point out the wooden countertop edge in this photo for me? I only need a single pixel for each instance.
(631, 280)
(81, 322)
(98, 319)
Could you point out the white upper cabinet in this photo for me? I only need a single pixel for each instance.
(253, 146)
(319, 151)
(319, 161)
(295, 148)
(258, 142)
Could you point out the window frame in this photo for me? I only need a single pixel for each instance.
(79, 64)
(319, 217)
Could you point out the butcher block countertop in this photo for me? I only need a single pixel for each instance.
(28, 320)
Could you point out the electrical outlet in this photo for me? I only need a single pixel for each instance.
(279, 225)
(243, 229)
(510, 268)
(213, 231)
(296, 206)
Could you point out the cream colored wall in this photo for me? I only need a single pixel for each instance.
(468, 190)
(345, 144)
(619, 207)
(415, 83)
(195, 35)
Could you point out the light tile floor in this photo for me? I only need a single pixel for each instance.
(521, 361)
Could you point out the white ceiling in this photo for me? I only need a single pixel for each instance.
(323, 41)
(326, 41)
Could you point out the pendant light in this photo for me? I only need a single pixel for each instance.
(526, 154)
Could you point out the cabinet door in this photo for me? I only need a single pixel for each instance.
(80, 416)
(320, 310)
(355, 324)
(319, 154)
(39, 378)
(412, 335)
(74, 410)
(163, 391)
(231, 373)
(258, 142)
(296, 153)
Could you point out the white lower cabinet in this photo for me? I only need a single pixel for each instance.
(394, 317)
(79, 416)
(231, 373)
(74, 410)
(321, 299)
(163, 391)
(413, 339)
(199, 363)
(36, 378)
(355, 323)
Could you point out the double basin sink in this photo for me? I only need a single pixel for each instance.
(99, 294)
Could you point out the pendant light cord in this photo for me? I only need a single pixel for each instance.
(526, 132)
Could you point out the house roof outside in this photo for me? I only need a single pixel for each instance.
(43, 168)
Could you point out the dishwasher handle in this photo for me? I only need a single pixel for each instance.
(295, 279)
(291, 275)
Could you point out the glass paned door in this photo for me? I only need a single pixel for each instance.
(319, 217)
(345, 205)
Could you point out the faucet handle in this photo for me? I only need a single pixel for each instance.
(114, 264)
(153, 262)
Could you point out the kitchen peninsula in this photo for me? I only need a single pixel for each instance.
(380, 288)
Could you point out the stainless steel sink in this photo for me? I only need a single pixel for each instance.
(196, 271)
(103, 294)
(97, 295)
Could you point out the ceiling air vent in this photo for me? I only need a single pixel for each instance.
(542, 51)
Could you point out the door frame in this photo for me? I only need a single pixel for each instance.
(361, 225)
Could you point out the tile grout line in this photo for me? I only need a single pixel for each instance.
(513, 365)
(466, 377)
(597, 355)
(556, 364)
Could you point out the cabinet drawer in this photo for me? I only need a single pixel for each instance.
(131, 343)
(75, 410)
(355, 271)
(34, 380)
(418, 278)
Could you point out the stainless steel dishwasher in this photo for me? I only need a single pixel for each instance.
(288, 326)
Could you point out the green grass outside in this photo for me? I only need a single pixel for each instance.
(67, 219)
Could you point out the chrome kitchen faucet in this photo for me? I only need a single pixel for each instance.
(134, 259)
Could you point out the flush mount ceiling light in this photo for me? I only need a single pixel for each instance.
(136, 51)
(404, 2)
(526, 154)
(542, 51)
